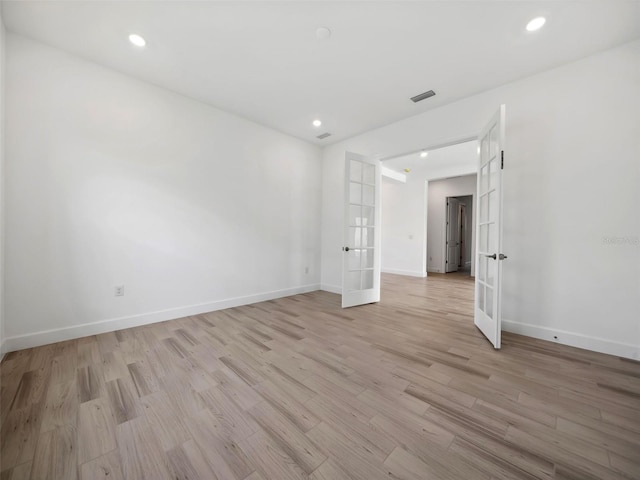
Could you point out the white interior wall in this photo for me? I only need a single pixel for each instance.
(572, 132)
(2, 143)
(439, 190)
(110, 180)
(403, 227)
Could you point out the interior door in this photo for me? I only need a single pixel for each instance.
(462, 233)
(361, 250)
(489, 255)
(453, 232)
(452, 241)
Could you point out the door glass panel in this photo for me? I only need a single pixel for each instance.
(367, 279)
(369, 174)
(368, 194)
(354, 259)
(483, 238)
(484, 149)
(355, 193)
(491, 270)
(356, 171)
(367, 258)
(353, 280)
(492, 206)
(489, 302)
(367, 237)
(355, 240)
(492, 239)
(355, 215)
(483, 208)
(481, 296)
(494, 166)
(484, 179)
(368, 215)
(493, 142)
(482, 268)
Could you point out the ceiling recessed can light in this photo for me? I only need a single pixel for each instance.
(536, 24)
(137, 40)
(423, 154)
(317, 123)
(323, 33)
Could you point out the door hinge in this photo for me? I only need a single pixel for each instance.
(502, 160)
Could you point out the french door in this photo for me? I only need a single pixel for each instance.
(489, 256)
(361, 248)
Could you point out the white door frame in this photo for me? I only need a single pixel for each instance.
(435, 146)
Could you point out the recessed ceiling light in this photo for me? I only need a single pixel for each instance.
(536, 24)
(137, 40)
(323, 33)
(423, 154)
(317, 123)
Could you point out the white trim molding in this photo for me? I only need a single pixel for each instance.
(45, 337)
(572, 339)
(408, 273)
(331, 288)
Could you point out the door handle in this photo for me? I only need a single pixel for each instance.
(345, 249)
(494, 256)
(502, 257)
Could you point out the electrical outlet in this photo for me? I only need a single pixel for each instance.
(119, 290)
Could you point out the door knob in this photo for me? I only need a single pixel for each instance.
(502, 257)
(345, 249)
(494, 256)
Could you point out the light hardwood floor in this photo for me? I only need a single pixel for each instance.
(299, 388)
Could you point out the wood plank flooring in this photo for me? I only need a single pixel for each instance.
(298, 388)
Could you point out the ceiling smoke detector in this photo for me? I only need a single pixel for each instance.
(423, 96)
(323, 33)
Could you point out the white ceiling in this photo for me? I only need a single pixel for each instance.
(461, 158)
(262, 60)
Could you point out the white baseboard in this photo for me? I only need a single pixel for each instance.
(409, 273)
(331, 288)
(45, 337)
(573, 339)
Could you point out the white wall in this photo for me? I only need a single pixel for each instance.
(403, 227)
(110, 180)
(439, 190)
(2, 148)
(572, 132)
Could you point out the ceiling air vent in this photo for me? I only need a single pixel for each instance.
(323, 135)
(422, 96)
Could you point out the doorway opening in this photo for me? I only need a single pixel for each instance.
(459, 234)
(415, 188)
(489, 157)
